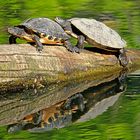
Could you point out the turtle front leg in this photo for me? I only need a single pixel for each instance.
(12, 39)
(80, 42)
(122, 57)
(79, 101)
(37, 118)
(38, 43)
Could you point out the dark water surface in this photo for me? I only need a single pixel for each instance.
(110, 111)
(107, 111)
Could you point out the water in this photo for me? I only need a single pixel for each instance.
(109, 111)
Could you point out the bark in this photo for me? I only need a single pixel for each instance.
(21, 66)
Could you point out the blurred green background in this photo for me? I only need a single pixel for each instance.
(121, 15)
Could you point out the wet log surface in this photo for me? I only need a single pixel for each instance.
(21, 66)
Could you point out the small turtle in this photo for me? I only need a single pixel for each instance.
(76, 100)
(13, 128)
(30, 121)
(95, 33)
(40, 31)
(63, 119)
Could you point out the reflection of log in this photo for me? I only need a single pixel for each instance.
(99, 108)
(16, 106)
(22, 63)
(101, 97)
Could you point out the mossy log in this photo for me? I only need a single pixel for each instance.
(21, 66)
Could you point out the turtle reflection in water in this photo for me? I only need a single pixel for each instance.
(56, 116)
(96, 34)
(40, 31)
(28, 121)
(74, 108)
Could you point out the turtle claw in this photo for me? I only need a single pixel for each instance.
(76, 49)
(123, 58)
(68, 46)
(39, 50)
(70, 49)
(38, 43)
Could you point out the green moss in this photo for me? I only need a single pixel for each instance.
(52, 77)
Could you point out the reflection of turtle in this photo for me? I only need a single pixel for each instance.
(28, 121)
(56, 116)
(40, 31)
(75, 102)
(61, 115)
(61, 120)
(13, 128)
(95, 33)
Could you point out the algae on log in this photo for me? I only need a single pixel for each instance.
(21, 66)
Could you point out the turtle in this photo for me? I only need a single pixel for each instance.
(40, 31)
(63, 120)
(96, 34)
(28, 121)
(77, 101)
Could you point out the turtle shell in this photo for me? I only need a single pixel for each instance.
(44, 25)
(98, 34)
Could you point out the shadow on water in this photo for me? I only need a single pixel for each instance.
(41, 110)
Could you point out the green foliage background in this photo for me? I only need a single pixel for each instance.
(124, 14)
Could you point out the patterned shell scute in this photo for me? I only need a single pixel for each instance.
(98, 32)
(47, 26)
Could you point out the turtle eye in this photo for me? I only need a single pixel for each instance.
(42, 34)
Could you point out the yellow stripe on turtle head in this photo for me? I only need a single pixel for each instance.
(28, 38)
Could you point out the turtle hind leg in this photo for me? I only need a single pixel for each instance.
(38, 43)
(37, 118)
(122, 57)
(12, 39)
(70, 48)
(80, 42)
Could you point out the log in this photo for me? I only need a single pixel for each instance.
(21, 66)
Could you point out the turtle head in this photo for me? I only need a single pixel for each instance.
(65, 24)
(16, 31)
(60, 21)
(13, 128)
(20, 33)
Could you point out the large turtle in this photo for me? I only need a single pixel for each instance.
(95, 33)
(40, 31)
